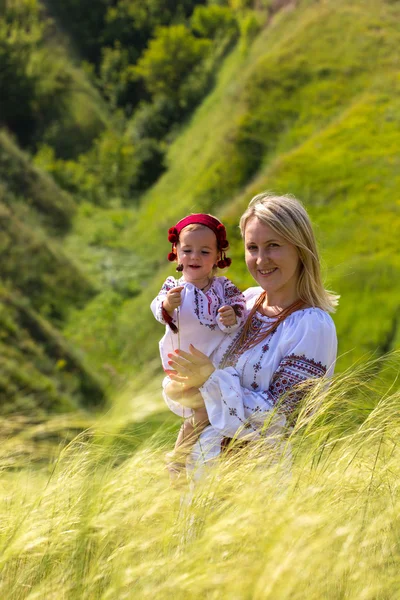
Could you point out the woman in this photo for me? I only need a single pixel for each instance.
(288, 337)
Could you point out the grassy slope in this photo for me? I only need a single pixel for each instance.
(39, 371)
(310, 110)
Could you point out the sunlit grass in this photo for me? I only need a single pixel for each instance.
(100, 522)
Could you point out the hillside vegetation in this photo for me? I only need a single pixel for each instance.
(94, 96)
(311, 108)
(39, 371)
(122, 118)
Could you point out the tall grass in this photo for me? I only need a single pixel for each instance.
(100, 524)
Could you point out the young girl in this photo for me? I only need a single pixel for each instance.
(198, 308)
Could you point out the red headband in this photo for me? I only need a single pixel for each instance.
(201, 219)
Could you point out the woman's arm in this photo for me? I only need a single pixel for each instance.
(181, 400)
(189, 397)
(308, 349)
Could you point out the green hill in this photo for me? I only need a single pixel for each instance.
(39, 371)
(312, 108)
(306, 102)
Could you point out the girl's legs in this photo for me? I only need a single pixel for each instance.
(187, 436)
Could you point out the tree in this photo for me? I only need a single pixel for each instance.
(169, 60)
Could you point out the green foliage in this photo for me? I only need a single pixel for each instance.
(150, 164)
(285, 117)
(114, 168)
(116, 77)
(250, 26)
(153, 120)
(133, 22)
(85, 22)
(34, 265)
(169, 59)
(54, 207)
(39, 372)
(43, 89)
(20, 34)
(213, 21)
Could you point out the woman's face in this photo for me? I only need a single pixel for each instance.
(272, 261)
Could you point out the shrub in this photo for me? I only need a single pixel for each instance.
(117, 79)
(169, 59)
(250, 26)
(153, 120)
(213, 21)
(149, 164)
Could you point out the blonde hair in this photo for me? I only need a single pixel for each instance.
(288, 217)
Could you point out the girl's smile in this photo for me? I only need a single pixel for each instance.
(197, 253)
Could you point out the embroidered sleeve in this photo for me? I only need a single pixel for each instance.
(233, 297)
(287, 385)
(156, 305)
(233, 409)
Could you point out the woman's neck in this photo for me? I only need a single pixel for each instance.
(274, 305)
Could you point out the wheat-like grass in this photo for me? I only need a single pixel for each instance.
(323, 524)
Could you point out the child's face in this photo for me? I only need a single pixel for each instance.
(197, 252)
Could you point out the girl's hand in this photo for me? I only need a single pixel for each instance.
(173, 299)
(228, 316)
(193, 369)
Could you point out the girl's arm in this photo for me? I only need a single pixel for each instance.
(157, 304)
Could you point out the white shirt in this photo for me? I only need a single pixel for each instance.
(238, 395)
(197, 317)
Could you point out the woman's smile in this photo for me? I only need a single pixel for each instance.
(267, 271)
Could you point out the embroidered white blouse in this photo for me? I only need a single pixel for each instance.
(197, 318)
(246, 386)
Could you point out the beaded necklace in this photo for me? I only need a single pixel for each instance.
(252, 336)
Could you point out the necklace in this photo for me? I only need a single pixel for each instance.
(202, 288)
(252, 335)
(206, 286)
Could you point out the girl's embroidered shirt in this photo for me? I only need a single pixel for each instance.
(197, 318)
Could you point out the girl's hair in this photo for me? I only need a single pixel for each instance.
(195, 227)
(288, 217)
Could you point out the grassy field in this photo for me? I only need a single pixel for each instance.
(101, 520)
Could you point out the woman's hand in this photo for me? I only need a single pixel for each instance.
(179, 392)
(192, 369)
